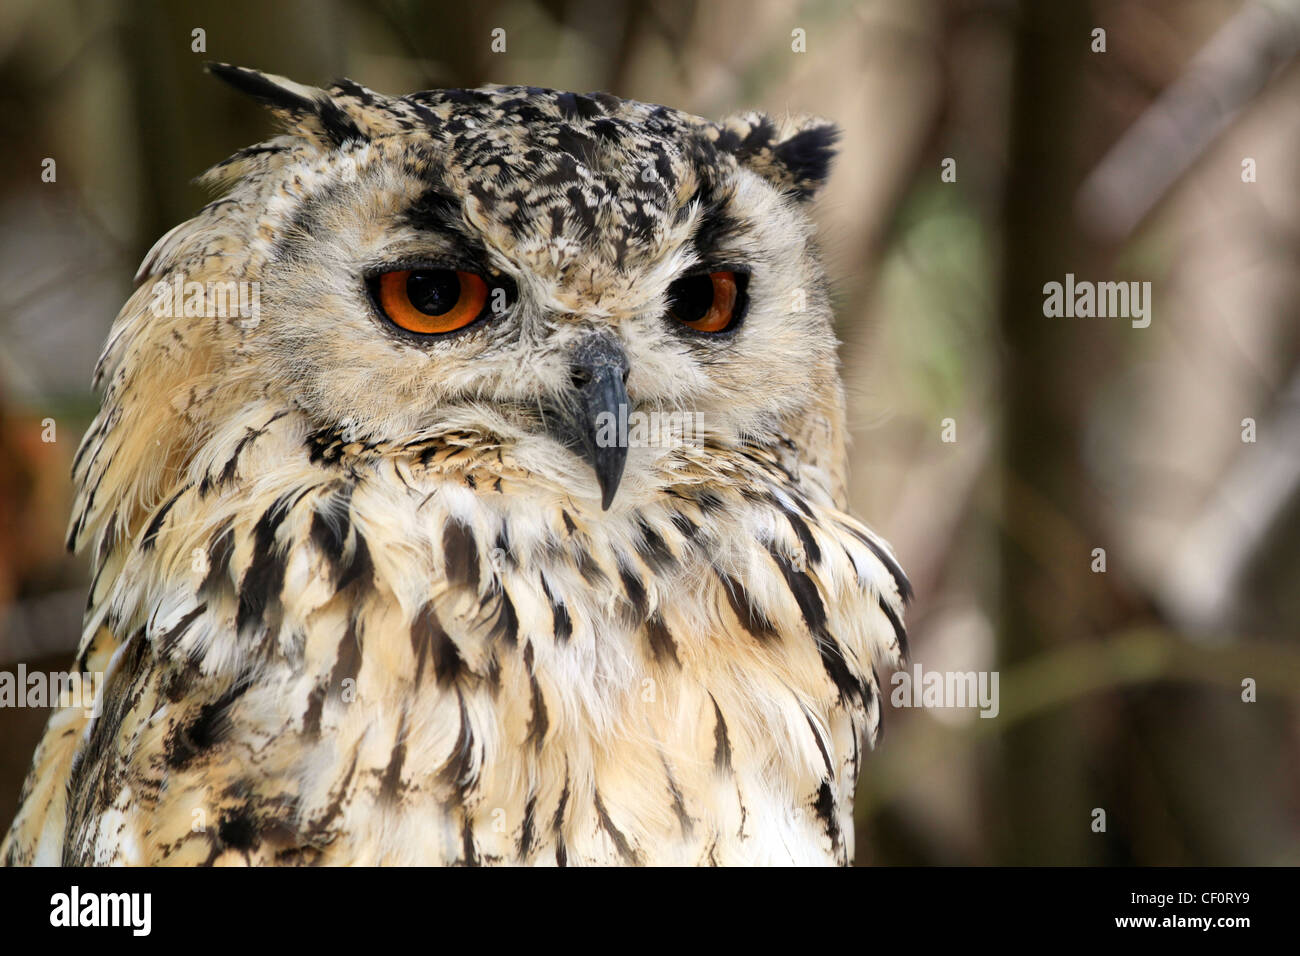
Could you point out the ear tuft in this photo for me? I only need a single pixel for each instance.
(795, 155)
(807, 155)
(268, 89)
(313, 110)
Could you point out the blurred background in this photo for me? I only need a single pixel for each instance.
(989, 147)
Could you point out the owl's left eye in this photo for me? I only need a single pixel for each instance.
(709, 302)
(431, 301)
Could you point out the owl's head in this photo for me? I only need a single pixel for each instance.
(540, 268)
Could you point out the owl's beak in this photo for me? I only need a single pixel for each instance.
(597, 411)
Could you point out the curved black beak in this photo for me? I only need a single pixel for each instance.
(597, 410)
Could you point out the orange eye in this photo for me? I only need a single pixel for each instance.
(432, 301)
(709, 302)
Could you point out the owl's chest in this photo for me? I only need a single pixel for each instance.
(386, 672)
(535, 722)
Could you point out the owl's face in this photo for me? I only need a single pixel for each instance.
(528, 266)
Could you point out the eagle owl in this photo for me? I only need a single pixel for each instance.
(509, 527)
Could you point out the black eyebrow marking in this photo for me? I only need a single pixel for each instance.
(437, 210)
(713, 227)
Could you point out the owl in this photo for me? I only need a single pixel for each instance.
(470, 488)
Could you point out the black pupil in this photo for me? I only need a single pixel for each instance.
(691, 297)
(433, 291)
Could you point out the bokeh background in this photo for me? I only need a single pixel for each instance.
(1120, 690)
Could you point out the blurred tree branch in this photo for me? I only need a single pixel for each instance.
(1171, 135)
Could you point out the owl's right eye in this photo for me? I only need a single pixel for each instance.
(432, 301)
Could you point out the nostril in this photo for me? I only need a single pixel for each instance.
(580, 377)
